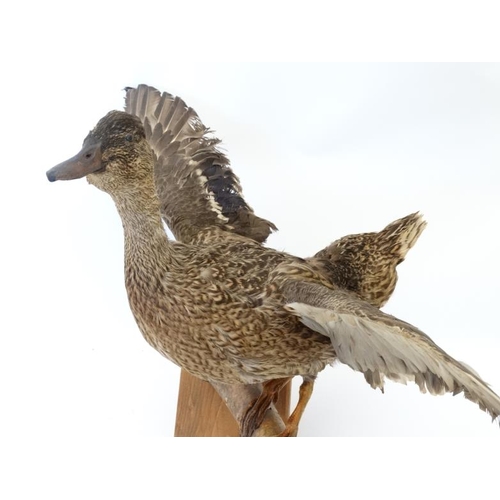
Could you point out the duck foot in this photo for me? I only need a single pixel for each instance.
(255, 414)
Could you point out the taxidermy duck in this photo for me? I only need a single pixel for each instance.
(235, 312)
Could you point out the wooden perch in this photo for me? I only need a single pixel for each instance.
(203, 410)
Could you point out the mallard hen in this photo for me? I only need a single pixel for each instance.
(236, 312)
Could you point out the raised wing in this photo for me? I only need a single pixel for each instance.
(198, 190)
(380, 345)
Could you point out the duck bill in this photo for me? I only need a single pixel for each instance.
(87, 161)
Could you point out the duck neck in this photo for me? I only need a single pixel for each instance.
(146, 243)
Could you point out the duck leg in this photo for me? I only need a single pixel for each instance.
(255, 414)
(270, 392)
(305, 393)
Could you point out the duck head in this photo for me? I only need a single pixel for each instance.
(115, 155)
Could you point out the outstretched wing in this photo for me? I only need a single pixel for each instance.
(380, 345)
(198, 190)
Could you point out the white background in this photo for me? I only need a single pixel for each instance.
(322, 151)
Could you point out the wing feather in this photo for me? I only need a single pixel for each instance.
(382, 346)
(197, 188)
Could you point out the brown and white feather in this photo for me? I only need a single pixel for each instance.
(366, 263)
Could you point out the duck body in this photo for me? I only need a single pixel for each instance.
(207, 310)
(211, 309)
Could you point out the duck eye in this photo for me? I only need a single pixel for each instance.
(129, 137)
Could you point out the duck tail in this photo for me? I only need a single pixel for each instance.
(399, 236)
(366, 263)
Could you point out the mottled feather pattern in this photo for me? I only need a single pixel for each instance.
(197, 187)
(223, 297)
(366, 263)
(191, 304)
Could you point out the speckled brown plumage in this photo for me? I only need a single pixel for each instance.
(227, 314)
(235, 312)
(366, 263)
